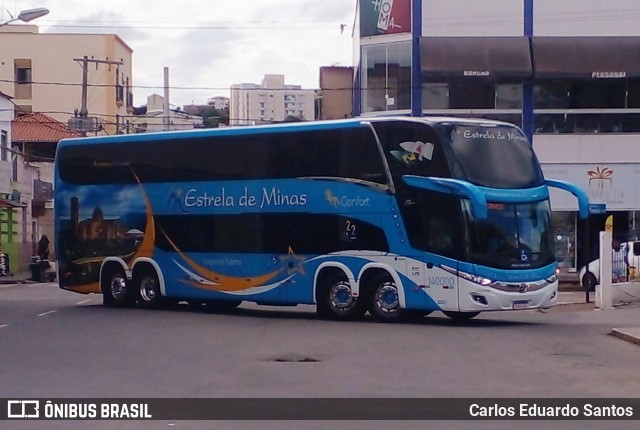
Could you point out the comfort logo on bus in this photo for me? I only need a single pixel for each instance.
(346, 201)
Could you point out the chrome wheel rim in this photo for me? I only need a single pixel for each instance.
(341, 298)
(118, 288)
(387, 299)
(148, 289)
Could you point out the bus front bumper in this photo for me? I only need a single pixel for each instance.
(480, 299)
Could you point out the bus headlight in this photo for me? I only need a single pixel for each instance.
(476, 279)
(551, 279)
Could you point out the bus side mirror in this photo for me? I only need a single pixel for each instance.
(636, 248)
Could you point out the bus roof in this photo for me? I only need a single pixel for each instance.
(271, 128)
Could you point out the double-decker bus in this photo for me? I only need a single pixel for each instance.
(395, 216)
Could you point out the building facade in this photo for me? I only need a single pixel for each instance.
(335, 100)
(11, 207)
(567, 72)
(271, 101)
(34, 138)
(43, 72)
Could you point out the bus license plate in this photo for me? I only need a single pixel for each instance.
(521, 304)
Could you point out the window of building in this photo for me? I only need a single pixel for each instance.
(471, 94)
(508, 96)
(581, 94)
(435, 95)
(633, 93)
(4, 146)
(386, 83)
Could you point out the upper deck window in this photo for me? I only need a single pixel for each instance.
(493, 156)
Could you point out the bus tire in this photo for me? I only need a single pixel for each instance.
(384, 300)
(148, 285)
(460, 316)
(116, 288)
(335, 300)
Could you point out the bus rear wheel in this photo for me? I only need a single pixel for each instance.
(336, 300)
(149, 295)
(460, 316)
(384, 301)
(116, 289)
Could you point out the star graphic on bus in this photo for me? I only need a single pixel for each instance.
(295, 263)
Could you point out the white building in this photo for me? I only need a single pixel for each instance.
(567, 72)
(272, 101)
(155, 118)
(218, 102)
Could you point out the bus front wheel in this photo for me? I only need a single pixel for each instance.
(460, 316)
(384, 303)
(336, 301)
(116, 289)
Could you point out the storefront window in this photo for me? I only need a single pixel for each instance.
(386, 83)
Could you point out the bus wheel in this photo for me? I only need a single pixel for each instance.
(116, 290)
(336, 301)
(149, 294)
(461, 316)
(385, 301)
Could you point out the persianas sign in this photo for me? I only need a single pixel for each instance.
(384, 17)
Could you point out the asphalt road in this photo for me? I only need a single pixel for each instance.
(56, 344)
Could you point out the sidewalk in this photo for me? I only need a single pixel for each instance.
(17, 278)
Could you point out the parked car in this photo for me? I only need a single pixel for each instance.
(592, 277)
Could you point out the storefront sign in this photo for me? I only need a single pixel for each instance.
(615, 185)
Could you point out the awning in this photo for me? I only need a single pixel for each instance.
(595, 57)
(5, 203)
(473, 57)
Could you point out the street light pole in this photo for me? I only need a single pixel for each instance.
(28, 15)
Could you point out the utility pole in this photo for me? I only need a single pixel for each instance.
(82, 122)
(166, 121)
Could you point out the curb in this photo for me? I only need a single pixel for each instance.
(623, 333)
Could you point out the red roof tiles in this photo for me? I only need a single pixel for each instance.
(38, 127)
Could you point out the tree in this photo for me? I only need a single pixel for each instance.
(212, 117)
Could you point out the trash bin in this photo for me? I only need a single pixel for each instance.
(37, 268)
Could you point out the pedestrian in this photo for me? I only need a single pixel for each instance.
(619, 262)
(43, 247)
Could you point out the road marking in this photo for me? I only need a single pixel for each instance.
(83, 302)
(4, 325)
(47, 313)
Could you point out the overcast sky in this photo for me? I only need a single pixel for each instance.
(209, 45)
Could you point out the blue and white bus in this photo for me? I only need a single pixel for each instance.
(395, 216)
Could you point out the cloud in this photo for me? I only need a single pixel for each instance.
(208, 46)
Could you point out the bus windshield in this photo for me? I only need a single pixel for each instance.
(493, 156)
(513, 236)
